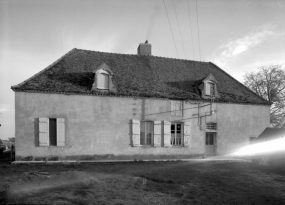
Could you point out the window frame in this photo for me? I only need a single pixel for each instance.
(42, 132)
(175, 134)
(176, 108)
(98, 75)
(145, 139)
(212, 87)
(211, 126)
(52, 130)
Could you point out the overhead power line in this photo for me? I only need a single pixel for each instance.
(191, 30)
(179, 28)
(170, 29)
(198, 29)
(179, 110)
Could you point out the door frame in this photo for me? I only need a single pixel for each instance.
(215, 143)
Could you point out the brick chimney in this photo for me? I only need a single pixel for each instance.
(144, 49)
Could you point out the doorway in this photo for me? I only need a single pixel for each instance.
(210, 144)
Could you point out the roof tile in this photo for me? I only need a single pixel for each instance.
(138, 76)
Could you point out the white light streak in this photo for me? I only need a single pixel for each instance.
(263, 147)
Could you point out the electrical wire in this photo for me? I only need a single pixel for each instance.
(179, 28)
(191, 29)
(170, 29)
(190, 118)
(178, 110)
(198, 29)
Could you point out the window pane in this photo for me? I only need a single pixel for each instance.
(211, 139)
(103, 81)
(178, 139)
(172, 141)
(178, 126)
(146, 133)
(207, 139)
(52, 131)
(106, 81)
(142, 142)
(142, 138)
(148, 139)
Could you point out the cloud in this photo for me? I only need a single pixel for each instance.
(234, 47)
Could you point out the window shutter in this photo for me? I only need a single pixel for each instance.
(135, 134)
(60, 131)
(187, 130)
(207, 89)
(167, 133)
(157, 134)
(43, 131)
(102, 79)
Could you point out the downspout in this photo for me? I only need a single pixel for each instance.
(211, 112)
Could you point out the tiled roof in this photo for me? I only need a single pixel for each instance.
(137, 76)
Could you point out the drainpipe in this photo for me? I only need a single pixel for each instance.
(211, 112)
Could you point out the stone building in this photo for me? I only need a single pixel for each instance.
(96, 105)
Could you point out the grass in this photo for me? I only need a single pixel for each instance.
(145, 183)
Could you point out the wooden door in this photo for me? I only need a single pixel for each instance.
(210, 144)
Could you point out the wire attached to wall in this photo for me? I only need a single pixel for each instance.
(178, 110)
(170, 29)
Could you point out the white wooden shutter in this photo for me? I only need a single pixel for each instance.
(207, 89)
(167, 133)
(43, 131)
(187, 130)
(136, 132)
(60, 131)
(157, 134)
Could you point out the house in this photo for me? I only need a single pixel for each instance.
(270, 134)
(96, 105)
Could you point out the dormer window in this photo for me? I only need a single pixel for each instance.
(102, 80)
(210, 89)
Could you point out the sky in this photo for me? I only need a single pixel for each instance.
(237, 35)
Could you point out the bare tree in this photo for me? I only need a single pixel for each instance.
(269, 83)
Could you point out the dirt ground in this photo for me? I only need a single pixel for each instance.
(170, 182)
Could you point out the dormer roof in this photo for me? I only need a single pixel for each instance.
(210, 77)
(104, 67)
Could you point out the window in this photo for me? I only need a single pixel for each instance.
(102, 80)
(159, 133)
(176, 108)
(146, 133)
(210, 89)
(210, 138)
(211, 126)
(176, 134)
(50, 131)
